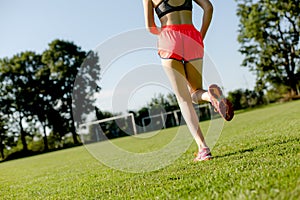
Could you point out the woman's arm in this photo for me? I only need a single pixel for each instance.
(149, 17)
(207, 16)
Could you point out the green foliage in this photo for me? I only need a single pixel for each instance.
(108, 128)
(256, 157)
(4, 138)
(37, 90)
(275, 95)
(18, 87)
(85, 86)
(242, 99)
(269, 37)
(63, 60)
(162, 102)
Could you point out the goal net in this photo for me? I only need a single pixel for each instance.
(173, 118)
(108, 128)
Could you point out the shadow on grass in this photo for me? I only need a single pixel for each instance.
(259, 147)
(29, 153)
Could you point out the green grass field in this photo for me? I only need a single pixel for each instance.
(256, 157)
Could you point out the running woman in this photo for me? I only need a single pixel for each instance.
(181, 48)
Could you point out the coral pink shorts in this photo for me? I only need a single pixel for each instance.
(181, 42)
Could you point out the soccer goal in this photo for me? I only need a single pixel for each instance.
(108, 128)
(161, 121)
(173, 118)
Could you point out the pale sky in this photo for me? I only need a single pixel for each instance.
(32, 24)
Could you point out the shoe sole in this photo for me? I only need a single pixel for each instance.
(225, 107)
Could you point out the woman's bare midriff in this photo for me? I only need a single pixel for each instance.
(177, 17)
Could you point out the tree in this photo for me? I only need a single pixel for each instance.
(161, 102)
(62, 61)
(17, 84)
(141, 113)
(269, 37)
(85, 88)
(171, 98)
(37, 93)
(245, 98)
(3, 121)
(105, 126)
(6, 140)
(235, 97)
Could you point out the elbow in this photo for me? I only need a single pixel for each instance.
(208, 8)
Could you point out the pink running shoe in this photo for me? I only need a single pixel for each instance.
(220, 103)
(203, 155)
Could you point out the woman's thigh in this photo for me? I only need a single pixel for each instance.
(193, 71)
(175, 71)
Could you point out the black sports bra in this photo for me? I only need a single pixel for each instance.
(164, 8)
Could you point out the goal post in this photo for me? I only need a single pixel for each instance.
(96, 131)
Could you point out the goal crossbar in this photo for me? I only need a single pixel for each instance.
(111, 119)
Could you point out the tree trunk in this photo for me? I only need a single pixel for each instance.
(2, 150)
(45, 139)
(23, 139)
(289, 66)
(293, 79)
(23, 136)
(73, 130)
(74, 135)
(294, 88)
